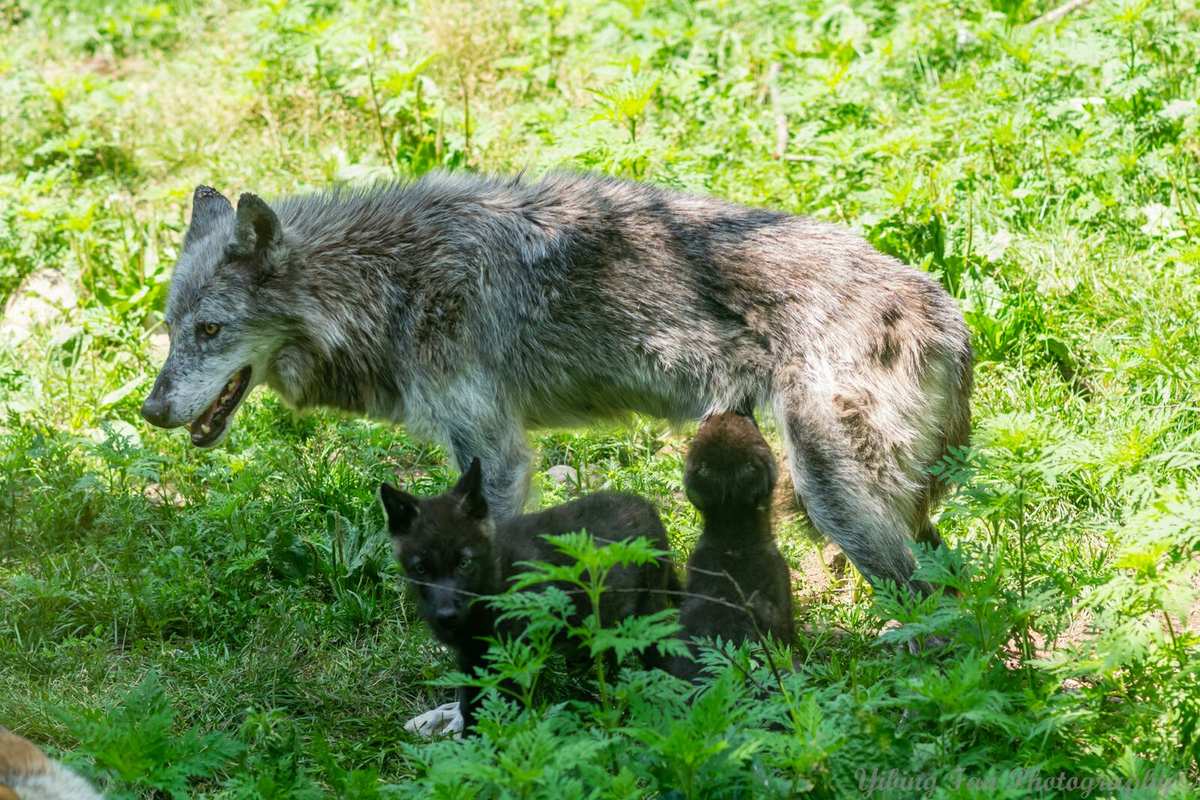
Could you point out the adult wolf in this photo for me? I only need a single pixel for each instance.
(472, 308)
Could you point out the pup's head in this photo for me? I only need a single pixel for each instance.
(222, 318)
(444, 544)
(729, 465)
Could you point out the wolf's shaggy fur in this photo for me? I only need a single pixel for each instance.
(456, 556)
(738, 585)
(473, 308)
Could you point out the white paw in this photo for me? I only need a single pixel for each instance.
(444, 720)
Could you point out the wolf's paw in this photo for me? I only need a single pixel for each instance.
(445, 720)
(924, 646)
(930, 644)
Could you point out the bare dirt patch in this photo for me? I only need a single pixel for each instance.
(43, 298)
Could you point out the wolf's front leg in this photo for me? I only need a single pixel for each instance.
(468, 703)
(504, 454)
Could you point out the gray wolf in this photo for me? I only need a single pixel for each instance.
(455, 556)
(26, 773)
(474, 308)
(738, 585)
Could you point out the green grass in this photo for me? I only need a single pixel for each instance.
(243, 600)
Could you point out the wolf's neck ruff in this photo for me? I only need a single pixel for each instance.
(737, 525)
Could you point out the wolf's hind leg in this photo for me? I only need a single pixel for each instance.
(504, 453)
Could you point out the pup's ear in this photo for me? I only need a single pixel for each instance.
(257, 230)
(400, 508)
(209, 208)
(470, 491)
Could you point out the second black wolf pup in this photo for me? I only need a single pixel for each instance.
(738, 585)
(456, 556)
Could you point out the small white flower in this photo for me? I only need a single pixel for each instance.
(1178, 109)
(996, 245)
(1160, 221)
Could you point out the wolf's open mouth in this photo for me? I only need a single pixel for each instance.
(207, 428)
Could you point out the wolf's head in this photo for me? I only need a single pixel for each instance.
(729, 465)
(445, 546)
(222, 337)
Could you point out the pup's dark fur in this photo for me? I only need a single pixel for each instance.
(456, 556)
(729, 477)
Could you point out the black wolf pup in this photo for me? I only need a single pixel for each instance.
(738, 585)
(456, 556)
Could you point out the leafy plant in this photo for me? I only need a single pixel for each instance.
(136, 747)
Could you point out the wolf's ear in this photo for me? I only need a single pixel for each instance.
(257, 230)
(400, 508)
(470, 491)
(209, 207)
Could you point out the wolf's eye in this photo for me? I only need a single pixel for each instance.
(209, 329)
(416, 568)
(467, 562)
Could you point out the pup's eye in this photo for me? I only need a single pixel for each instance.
(209, 329)
(416, 568)
(467, 562)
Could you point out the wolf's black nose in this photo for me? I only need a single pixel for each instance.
(155, 410)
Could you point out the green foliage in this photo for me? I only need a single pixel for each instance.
(586, 573)
(136, 747)
(1046, 175)
(646, 733)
